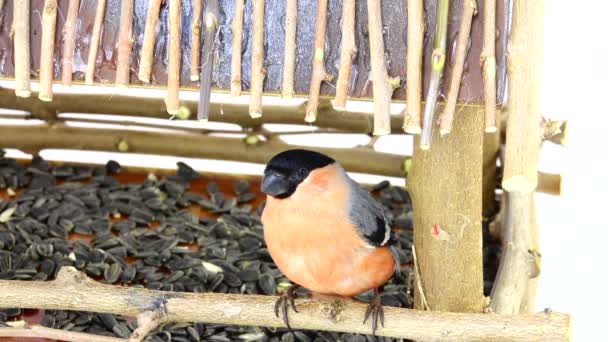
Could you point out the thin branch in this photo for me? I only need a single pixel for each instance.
(237, 40)
(147, 48)
(38, 331)
(211, 26)
(69, 43)
(447, 118)
(195, 45)
(257, 60)
(146, 322)
(425, 304)
(437, 65)
(488, 61)
(415, 43)
(348, 53)
(21, 29)
(528, 302)
(94, 44)
(172, 100)
(125, 43)
(289, 61)
(318, 67)
(72, 290)
(383, 85)
(49, 21)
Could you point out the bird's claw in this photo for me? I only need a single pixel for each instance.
(376, 311)
(286, 299)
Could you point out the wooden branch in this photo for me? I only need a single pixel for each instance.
(491, 149)
(21, 29)
(211, 26)
(47, 47)
(415, 43)
(289, 61)
(348, 53)
(147, 48)
(72, 290)
(257, 60)
(437, 65)
(89, 76)
(172, 100)
(195, 51)
(318, 67)
(469, 9)
(146, 322)
(524, 64)
(383, 85)
(38, 331)
(528, 302)
(237, 40)
(125, 43)
(488, 62)
(69, 43)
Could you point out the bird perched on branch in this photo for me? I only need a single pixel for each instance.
(324, 232)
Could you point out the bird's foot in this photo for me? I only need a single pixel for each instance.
(287, 298)
(376, 311)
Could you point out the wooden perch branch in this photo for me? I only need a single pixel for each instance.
(38, 331)
(211, 26)
(147, 48)
(94, 44)
(415, 43)
(69, 43)
(488, 61)
(237, 40)
(49, 21)
(172, 100)
(383, 85)
(125, 43)
(72, 290)
(257, 60)
(347, 53)
(318, 67)
(289, 61)
(21, 29)
(195, 45)
(437, 65)
(468, 11)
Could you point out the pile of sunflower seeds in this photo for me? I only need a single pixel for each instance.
(145, 235)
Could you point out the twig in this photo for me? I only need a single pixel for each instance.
(348, 53)
(69, 42)
(488, 61)
(383, 85)
(425, 304)
(211, 26)
(49, 21)
(289, 61)
(146, 322)
(72, 290)
(38, 331)
(21, 29)
(415, 41)
(437, 64)
(147, 48)
(125, 43)
(237, 39)
(257, 60)
(318, 67)
(195, 52)
(172, 100)
(94, 44)
(469, 9)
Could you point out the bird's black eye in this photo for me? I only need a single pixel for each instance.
(302, 173)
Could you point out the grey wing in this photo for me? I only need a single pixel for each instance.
(368, 216)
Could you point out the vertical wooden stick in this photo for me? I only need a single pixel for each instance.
(488, 61)
(257, 60)
(347, 53)
(208, 58)
(147, 48)
(125, 42)
(289, 61)
(237, 39)
(415, 41)
(94, 45)
(172, 100)
(49, 20)
(383, 85)
(468, 11)
(69, 43)
(21, 26)
(195, 51)
(318, 67)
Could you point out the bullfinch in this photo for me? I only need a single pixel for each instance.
(324, 232)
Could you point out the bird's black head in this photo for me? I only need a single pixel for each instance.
(288, 169)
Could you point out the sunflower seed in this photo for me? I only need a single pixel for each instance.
(112, 273)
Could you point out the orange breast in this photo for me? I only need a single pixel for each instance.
(314, 244)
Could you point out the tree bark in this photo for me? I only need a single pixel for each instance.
(49, 21)
(94, 44)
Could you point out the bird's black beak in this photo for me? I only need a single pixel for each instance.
(275, 185)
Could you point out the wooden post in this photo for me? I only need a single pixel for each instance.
(21, 26)
(257, 60)
(415, 42)
(195, 52)
(318, 62)
(289, 61)
(94, 45)
(172, 100)
(208, 57)
(491, 146)
(237, 39)
(125, 43)
(147, 48)
(347, 54)
(49, 21)
(69, 43)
